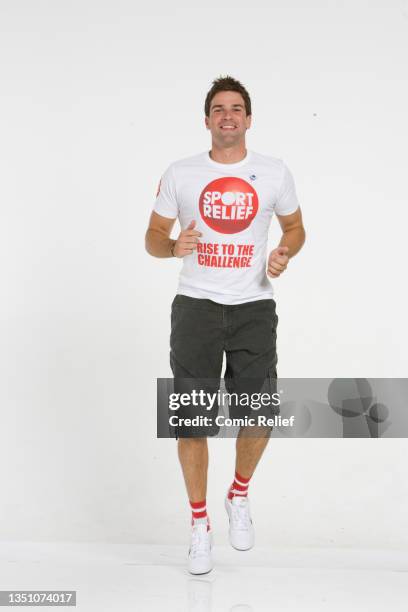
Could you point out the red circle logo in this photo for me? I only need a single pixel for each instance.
(228, 205)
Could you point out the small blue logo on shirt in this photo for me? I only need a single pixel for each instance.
(252, 177)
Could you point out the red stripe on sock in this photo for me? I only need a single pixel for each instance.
(198, 515)
(198, 510)
(200, 504)
(241, 478)
(239, 487)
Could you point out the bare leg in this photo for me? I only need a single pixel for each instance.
(193, 455)
(249, 449)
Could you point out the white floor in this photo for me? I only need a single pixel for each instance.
(132, 578)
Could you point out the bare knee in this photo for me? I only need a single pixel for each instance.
(192, 443)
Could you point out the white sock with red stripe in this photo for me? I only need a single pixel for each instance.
(239, 487)
(199, 513)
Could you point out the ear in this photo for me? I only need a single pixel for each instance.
(248, 121)
(206, 123)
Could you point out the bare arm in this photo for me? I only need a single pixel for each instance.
(293, 238)
(159, 243)
(294, 234)
(157, 240)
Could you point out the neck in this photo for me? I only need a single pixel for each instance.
(228, 155)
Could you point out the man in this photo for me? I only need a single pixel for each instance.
(224, 200)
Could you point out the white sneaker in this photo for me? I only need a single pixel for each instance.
(241, 529)
(199, 554)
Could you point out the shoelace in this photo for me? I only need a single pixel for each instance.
(200, 543)
(240, 515)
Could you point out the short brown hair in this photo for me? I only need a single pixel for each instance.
(227, 83)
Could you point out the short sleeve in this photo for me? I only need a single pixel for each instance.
(166, 200)
(286, 202)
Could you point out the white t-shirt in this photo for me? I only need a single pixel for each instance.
(232, 205)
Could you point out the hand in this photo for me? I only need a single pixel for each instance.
(187, 241)
(278, 261)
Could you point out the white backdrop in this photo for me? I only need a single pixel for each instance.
(98, 97)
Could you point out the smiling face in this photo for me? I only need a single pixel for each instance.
(227, 120)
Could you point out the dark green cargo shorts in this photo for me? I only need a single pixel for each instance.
(201, 332)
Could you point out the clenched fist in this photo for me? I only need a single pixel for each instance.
(278, 261)
(187, 241)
